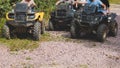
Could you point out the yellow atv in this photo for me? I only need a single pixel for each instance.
(22, 20)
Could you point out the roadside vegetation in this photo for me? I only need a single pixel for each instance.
(115, 1)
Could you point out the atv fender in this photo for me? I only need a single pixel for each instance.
(111, 17)
(8, 17)
(39, 16)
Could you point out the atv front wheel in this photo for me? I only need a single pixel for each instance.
(114, 29)
(74, 30)
(50, 26)
(6, 31)
(37, 31)
(102, 32)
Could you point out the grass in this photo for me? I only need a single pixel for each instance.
(19, 44)
(28, 58)
(115, 1)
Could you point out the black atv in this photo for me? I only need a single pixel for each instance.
(90, 21)
(23, 20)
(61, 17)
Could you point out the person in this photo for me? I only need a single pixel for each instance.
(100, 5)
(30, 3)
(79, 3)
(106, 2)
(65, 1)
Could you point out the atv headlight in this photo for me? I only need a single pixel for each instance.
(31, 16)
(109, 19)
(11, 15)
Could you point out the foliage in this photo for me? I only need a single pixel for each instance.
(42, 5)
(115, 1)
(4, 7)
(45, 5)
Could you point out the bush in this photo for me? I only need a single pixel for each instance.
(42, 5)
(4, 7)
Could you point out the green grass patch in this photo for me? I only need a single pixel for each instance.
(28, 58)
(115, 1)
(46, 37)
(19, 44)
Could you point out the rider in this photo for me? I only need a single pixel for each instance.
(79, 3)
(106, 2)
(99, 4)
(30, 3)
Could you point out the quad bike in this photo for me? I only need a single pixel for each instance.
(61, 17)
(23, 20)
(90, 21)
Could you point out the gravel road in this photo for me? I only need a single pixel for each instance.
(80, 53)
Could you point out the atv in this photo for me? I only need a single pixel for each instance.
(61, 17)
(90, 21)
(23, 20)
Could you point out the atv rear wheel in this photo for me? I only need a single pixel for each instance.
(37, 31)
(50, 26)
(102, 32)
(74, 30)
(114, 29)
(6, 31)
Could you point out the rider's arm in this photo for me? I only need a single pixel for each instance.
(80, 2)
(103, 5)
(33, 3)
(23, 1)
(58, 2)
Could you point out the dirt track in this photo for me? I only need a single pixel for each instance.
(80, 53)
